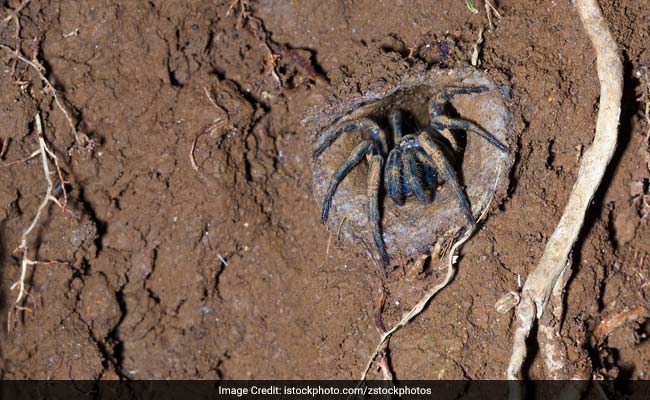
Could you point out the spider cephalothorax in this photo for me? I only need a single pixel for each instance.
(410, 164)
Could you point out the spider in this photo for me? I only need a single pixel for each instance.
(410, 164)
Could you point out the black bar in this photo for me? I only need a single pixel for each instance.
(326, 390)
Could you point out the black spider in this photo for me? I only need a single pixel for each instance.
(413, 162)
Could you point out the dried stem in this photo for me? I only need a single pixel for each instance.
(553, 264)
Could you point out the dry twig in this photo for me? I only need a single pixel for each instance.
(554, 262)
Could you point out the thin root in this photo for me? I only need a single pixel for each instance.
(489, 10)
(14, 13)
(215, 124)
(615, 321)
(257, 28)
(5, 146)
(23, 248)
(81, 139)
(451, 272)
(382, 356)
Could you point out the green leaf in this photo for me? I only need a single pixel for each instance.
(471, 7)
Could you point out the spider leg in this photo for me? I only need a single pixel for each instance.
(430, 179)
(376, 133)
(442, 97)
(438, 161)
(355, 157)
(393, 176)
(453, 142)
(396, 125)
(441, 122)
(361, 124)
(331, 138)
(374, 179)
(412, 174)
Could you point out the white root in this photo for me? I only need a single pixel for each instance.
(424, 300)
(552, 349)
(23, 247)
(417, 309)
(80, 138)
(554, 264)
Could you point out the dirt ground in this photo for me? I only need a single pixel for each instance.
(224, 271)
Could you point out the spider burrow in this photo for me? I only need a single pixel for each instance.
(411, 159)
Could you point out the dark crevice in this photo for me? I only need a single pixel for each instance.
(114, 335)
(246, 95)
(100, 225)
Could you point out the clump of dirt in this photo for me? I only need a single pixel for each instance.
(169, 269)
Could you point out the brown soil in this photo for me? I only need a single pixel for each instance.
(223, 272)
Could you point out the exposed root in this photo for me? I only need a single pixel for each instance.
(406, 318)
(82, 140)
(275, 52)
(22, 160)
(23, 247)
(257, 28)
(382, 356)
(14, 13)
(216, 123)
(192, 160)
(4, 147)
(554, 264)
(507, 302)
(489, 10)
(424, 300)
(553, 350)
(644, 76)
(615, 321)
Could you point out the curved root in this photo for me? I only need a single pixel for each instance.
(546, 278)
